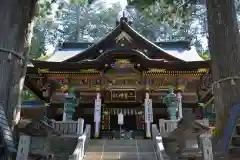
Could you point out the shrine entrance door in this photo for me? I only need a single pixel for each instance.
(130, 123)
(133, 116)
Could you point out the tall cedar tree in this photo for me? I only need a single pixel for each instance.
(225, 54)
(16, 23)
(16, 17)
(224, 49)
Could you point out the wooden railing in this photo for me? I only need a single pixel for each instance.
(167, 126)
(69, 127)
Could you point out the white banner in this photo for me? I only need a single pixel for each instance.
(120, 119)
(148, 111)
(97, 110)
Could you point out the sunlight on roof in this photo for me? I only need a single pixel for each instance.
(109, 3)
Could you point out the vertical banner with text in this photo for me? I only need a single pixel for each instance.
(148, 111)
(97, 110)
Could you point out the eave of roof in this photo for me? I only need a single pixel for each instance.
(98, 64)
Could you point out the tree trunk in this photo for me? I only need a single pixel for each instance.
(224, 48)
(16, 23)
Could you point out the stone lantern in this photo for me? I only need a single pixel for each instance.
(69, 105)
(172, 102)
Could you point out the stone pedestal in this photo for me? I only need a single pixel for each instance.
(80, 126)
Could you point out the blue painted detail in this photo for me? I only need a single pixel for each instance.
(33, 104)
(229, 129)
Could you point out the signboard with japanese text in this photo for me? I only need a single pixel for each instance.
(123, 95)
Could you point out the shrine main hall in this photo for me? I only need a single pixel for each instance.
(119, 74)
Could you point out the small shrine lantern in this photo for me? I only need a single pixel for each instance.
(172, 102)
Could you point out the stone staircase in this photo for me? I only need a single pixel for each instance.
(125, 134)
(121, 150)
(62, 147)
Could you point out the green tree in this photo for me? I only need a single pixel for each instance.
(81, 22)
(38, 47)
(28, 95)
(170, 21)
(224, 50)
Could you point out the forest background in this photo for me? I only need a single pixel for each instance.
(81, 21)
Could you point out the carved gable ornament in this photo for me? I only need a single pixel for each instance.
(122, 63)
(123, 36)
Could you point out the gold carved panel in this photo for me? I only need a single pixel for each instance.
(157, 82)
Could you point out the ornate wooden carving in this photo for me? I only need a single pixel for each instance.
(158, 82)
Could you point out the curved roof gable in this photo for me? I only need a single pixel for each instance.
(170, 51)
(123, 30)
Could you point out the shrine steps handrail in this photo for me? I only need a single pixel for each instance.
(82, 145)
(158, 144)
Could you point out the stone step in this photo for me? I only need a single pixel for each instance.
(62, 147)
(117, 157)
(120, 149)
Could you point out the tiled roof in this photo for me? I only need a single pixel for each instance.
(62, 55)
(184, 54)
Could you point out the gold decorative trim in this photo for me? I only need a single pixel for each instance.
(203, 70)
(43, 70)
(162, 71)
(123, 35)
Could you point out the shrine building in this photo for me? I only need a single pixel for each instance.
(117, 75)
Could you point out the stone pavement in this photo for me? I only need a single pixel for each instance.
(121, 150)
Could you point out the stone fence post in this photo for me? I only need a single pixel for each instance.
(80, 126)
(207, 151)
